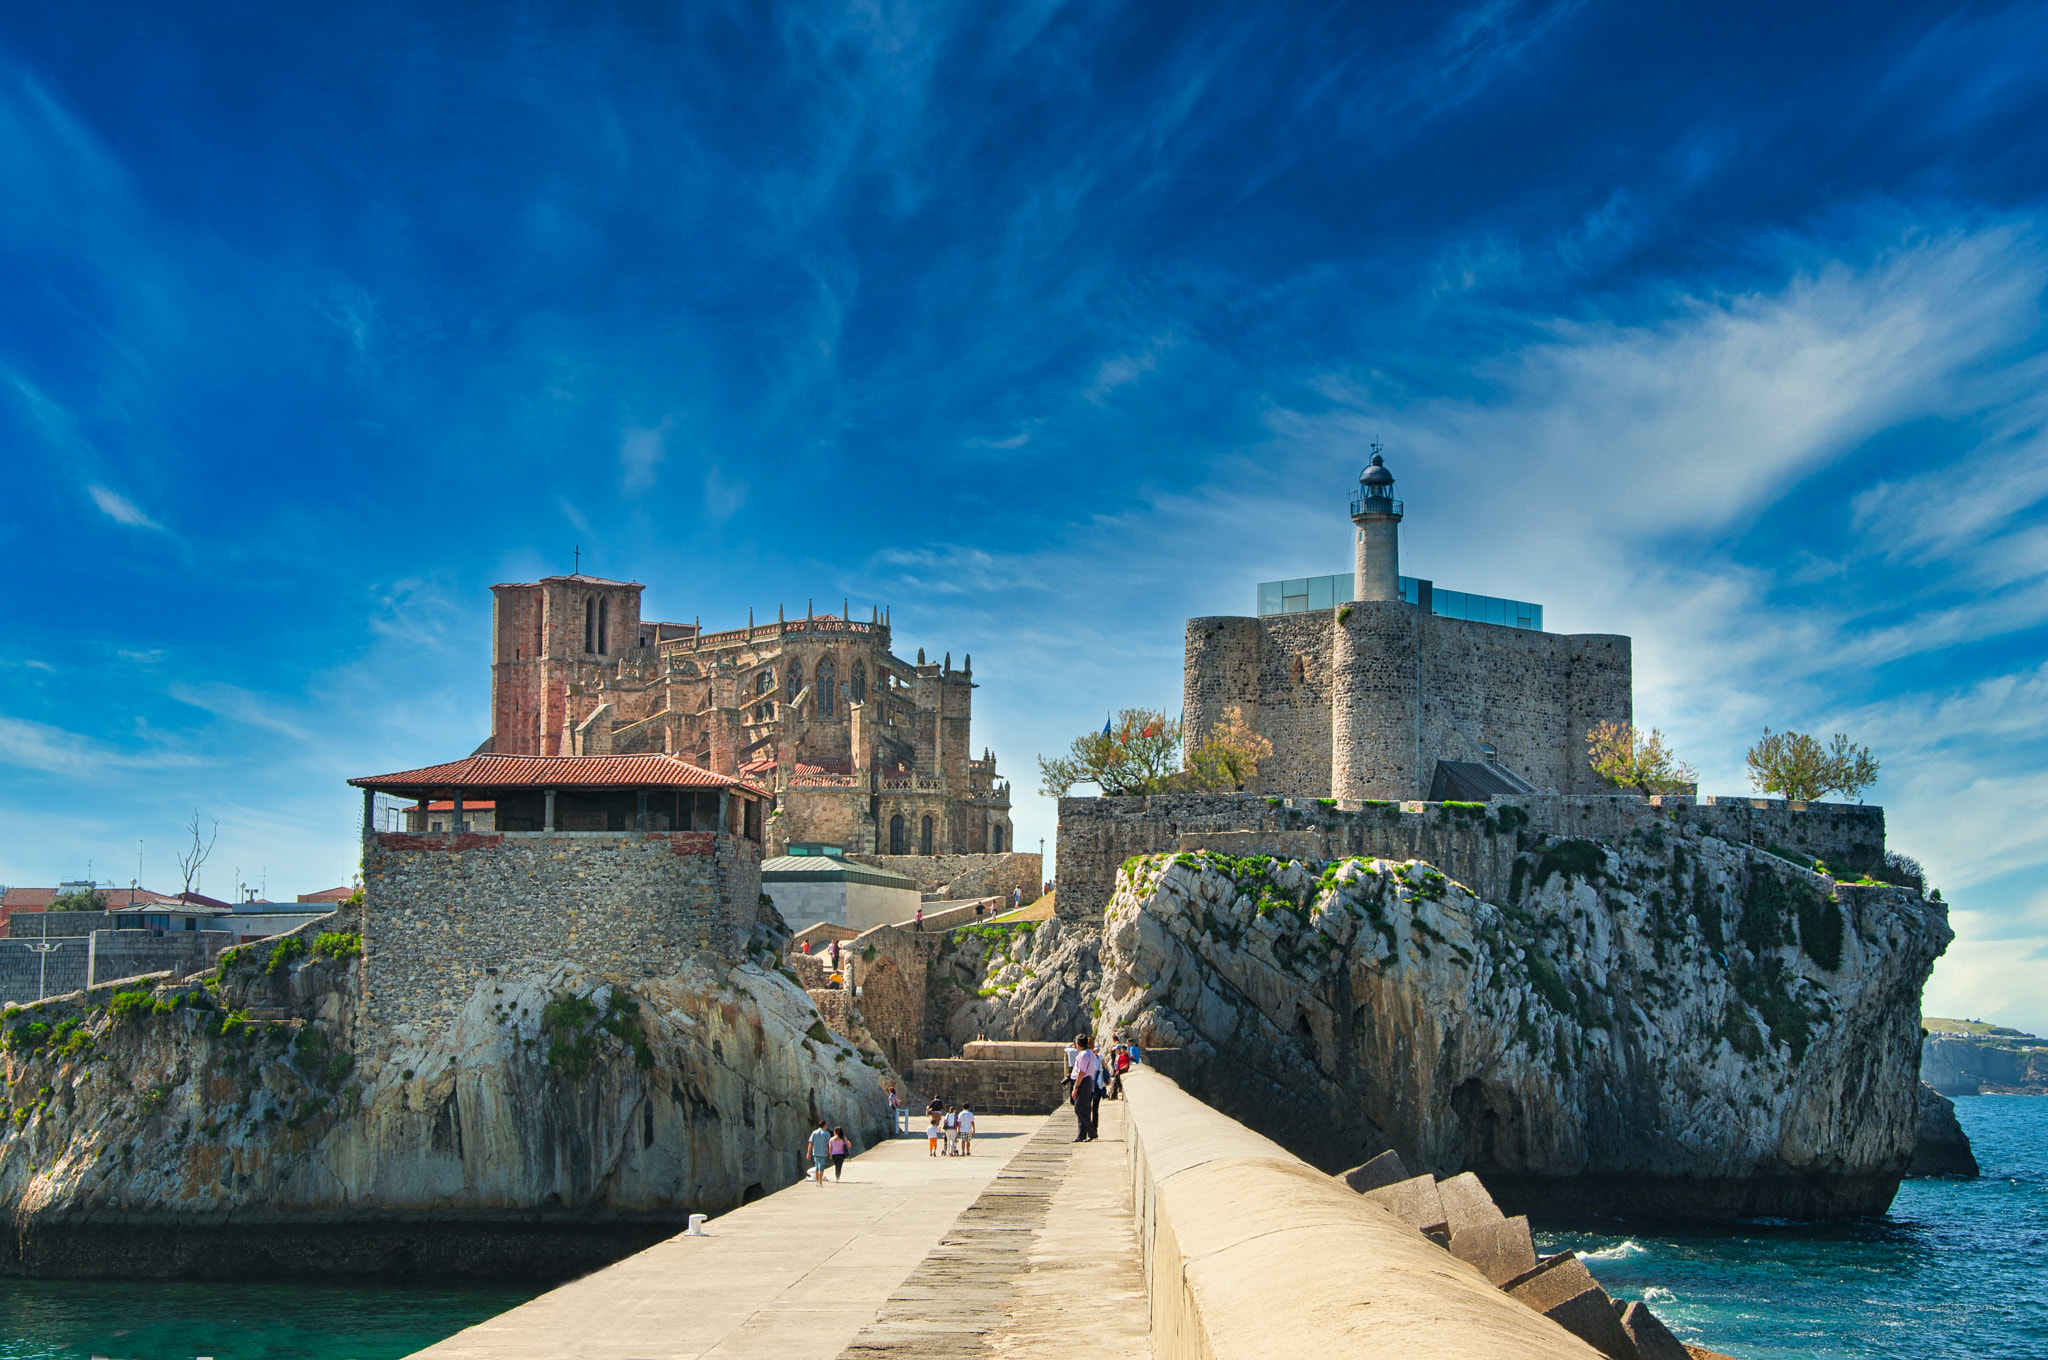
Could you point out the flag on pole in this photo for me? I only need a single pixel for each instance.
(1105, 722)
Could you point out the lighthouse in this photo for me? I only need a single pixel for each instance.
(1377, 565)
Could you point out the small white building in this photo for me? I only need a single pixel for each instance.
(814, 883)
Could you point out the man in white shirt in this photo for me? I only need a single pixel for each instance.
(966, 1127)
(1086, 1070)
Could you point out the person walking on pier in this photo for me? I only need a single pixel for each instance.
(839, 1147)
(821, 1151)
(964, 1121)
(1087, 1071)
(899, 1118)
(932, 1133)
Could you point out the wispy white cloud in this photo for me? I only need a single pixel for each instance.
(239, 705)
(120, 509)
(723, 498)
(52, 750)
(640, 455)
(1124, 369)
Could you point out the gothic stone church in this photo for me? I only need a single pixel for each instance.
(860, 748)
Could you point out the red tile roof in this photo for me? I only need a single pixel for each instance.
(553, 772)
(28, 899)
(445, 805)
(337, 894)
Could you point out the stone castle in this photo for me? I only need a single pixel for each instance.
(860, 748)
(1383, 697)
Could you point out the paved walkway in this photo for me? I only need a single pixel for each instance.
(1007, 1254)
(792, 1276)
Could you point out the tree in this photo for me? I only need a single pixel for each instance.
(1799, 767)
(80, 899)
(190, 862)
(1138, 753)
(1629, 758)
(1228, 758)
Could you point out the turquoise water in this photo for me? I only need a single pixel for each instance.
(158, 1320)
(1957, 1271)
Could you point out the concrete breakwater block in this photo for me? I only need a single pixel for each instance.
(1653, 1340)
(1563, 1290)
(1377, 1174)
(1413, 1201)
(1501, 1249)
(1466, 1203)
(1590, 1317)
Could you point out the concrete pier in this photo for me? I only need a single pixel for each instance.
(932, 1256)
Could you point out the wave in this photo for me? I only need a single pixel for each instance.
(1619, 1252)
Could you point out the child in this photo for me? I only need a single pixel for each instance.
(932, 1134)
(965, 1123)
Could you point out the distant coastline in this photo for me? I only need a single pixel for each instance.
(1970, 1057)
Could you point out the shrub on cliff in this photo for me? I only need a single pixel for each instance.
(1629, 758)
(1137, 754)
(573, 1024)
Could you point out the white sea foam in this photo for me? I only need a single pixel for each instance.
(1619, 1252)
(1657, 1293)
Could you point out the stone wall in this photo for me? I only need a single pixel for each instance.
(25, 975)
(998, 1086)
(1362, 701)
(1471, 845)
(441, 912)
(967, 875)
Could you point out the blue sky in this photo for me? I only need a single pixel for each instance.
(1046, 325)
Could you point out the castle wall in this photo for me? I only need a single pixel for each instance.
(1361, 702)
(1376, 702)
(438, 911)
(967, 876)
(1468, 844)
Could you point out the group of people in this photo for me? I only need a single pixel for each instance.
(951, 1126)
(828, 1146)
(1091, 1076)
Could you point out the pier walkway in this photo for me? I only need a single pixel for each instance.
(1002, 1253)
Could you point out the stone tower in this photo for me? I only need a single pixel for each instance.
(1378, 517)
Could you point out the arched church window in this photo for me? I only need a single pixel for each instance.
(924, 839)
(860, 683)
(590, 625)
(792, 680)
(765, 681)
(899, 836)
(824, 683)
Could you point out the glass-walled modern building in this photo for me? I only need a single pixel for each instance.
(1306, 593)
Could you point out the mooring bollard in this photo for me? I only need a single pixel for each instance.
(696, 1228)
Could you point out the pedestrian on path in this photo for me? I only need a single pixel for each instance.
(966, 1125)
(899, 1118)
(920, 918)
(821, 1151)
(932, 1132)
(951, 1125)
(1087, 1088)
(839, 1147)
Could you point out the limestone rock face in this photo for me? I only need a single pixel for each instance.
(1668, 1026)
(1032, 986)
(1940, 1147)
(562, 1120)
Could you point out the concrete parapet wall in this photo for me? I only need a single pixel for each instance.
(1474, 845)
(1249, 1251)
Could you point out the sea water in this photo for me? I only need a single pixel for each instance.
(1958, 1270)
(178, 1320)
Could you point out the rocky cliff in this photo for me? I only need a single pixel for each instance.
(1667, 1025)
(247, 1124)
(1940, 1147)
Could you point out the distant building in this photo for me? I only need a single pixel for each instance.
(328, 895)
(859, 747)
(814, 883)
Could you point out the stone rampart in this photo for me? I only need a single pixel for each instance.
(1249, 1251)
(27, 974)
(966, 875)
(1472, 844)
(992, 1086)
(442, 912)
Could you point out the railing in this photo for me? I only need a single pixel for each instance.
(1363, 504)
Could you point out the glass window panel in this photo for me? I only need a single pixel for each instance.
(1345, 585)
(1294, 604)
(1269, 597)
(1322, 593)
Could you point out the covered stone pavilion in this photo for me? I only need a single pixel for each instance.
(558, 795)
